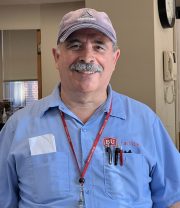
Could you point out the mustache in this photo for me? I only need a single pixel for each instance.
(86, 67)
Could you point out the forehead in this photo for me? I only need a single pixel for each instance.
(88, 33)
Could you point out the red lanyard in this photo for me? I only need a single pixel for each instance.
(92, 148)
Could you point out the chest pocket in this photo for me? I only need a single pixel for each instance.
(128, 181)
(50, 176)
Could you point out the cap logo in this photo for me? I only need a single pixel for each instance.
(86, 16)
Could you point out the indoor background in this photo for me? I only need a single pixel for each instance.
(141, 38)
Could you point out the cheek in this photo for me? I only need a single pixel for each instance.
(109, 64)
(64, 69)
(66, 61)
(62, 65)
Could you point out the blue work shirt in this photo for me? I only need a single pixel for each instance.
(38, 169)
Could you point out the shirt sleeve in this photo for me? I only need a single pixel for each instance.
(8, 177)
(165, 184)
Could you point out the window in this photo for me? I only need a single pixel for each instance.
(20, 93)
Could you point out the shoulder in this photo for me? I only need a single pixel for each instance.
(132, 108)
(36, 109)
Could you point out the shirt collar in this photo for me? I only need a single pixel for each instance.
(118, 102)
(51, 101)
(118, 106)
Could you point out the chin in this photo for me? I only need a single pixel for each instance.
(87, 89)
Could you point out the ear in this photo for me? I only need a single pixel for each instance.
(56, 55)
(116, 56)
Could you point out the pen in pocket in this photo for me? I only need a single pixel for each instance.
(118, 155)
(109, 151)
(117, 150)
(121, 156)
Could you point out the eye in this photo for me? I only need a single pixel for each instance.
(100, 47)
(74, 46)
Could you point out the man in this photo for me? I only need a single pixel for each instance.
(86, 145)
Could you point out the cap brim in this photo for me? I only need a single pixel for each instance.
(74, 28)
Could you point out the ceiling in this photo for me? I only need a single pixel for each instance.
(14, 2)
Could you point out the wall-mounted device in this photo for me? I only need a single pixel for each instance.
(169, 76)
(169, 66)
(167, 12)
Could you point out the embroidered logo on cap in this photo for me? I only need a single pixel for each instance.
(87, 15)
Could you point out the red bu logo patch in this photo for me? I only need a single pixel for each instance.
(110, 141)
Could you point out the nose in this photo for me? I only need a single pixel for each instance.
(87, 54)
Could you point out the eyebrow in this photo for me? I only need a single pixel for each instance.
(99, 42)
(72, 40)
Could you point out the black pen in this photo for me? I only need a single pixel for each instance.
(109, 151)
(117, 151)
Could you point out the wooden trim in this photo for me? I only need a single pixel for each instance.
(39, 72)
(179, 142)
(20, 80)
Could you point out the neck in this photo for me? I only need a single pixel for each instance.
(83, 104)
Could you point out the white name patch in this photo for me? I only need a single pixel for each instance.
(42, 144)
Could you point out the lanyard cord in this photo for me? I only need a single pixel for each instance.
(81, 180)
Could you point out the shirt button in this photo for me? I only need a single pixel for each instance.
(87, 192)
(84, 130)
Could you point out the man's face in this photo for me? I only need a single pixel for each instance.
(85, 46)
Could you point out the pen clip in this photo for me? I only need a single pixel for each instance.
(109, 151)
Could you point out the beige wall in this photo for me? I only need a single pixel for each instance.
(50, 18)
(1, 91)
(164, 39)
(178, 67)
(134, 74)
(141, 40)
(19, 17)
(19, 55)
(46, 18)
